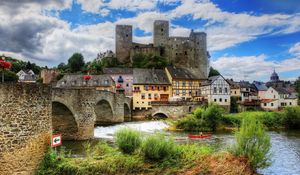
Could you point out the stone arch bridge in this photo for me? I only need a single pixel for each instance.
(75, 112)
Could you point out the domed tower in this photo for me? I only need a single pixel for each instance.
(274, 77)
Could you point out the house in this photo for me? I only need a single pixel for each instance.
(26, 76)
(49, 75)
(216, 89)
(277, 98)
(235, 90)
(150, 85)
(123, 78)
(261, 89)
(98, 82)
(184, 84)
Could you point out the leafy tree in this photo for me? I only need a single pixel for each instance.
(9, 75)
(62, 67)
(213, 72)
(76, 62)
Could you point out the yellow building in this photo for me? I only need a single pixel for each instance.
(149, 85)
(184, 84)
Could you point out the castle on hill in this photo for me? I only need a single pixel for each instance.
(183, 52)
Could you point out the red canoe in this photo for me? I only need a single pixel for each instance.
(202, 136)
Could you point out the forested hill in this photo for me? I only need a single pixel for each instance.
(18, 65)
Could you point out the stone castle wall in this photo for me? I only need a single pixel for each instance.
(25, 127)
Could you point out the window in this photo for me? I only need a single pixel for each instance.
(143, 96)
(146, 88)
(226, 90)
(265, 104)
(234, 92)
(215, 100)
(183, 92)
(272, 104)
(190, 92)
(185, 52)
(183, 83)
(220, 99)
(153, 87)
(177, 92)
(177, 83)
(105, 82)
(127, 35)
(162, 29)
(165, 88)
(290, 103)
(155, 96)
(95, 82)
(149, 96)
(149, 103)
(127, 85)
(220, 90)
(225, 100)
(158, 88)
(274, 96)
(137, 102)
(190, 84)
(215, 90)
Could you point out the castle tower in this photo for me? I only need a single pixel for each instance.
(200, 63)
(123, 42)
(161, 33)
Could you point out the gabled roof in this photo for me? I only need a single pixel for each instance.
(116, 70)
(260, 86)
(245, 84)
(150, 76)
(210, 80)
(281, 90)
(180, 73)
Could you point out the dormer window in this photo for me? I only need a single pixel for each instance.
(106, 82)
(73, 83)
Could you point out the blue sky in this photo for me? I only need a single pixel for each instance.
(247, 39)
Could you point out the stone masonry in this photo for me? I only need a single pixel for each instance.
(183, 52)
(25, 127)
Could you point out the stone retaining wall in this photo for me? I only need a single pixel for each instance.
(25, 126)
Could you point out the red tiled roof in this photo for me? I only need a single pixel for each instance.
(267, 100)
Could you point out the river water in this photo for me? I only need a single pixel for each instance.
(285, 151)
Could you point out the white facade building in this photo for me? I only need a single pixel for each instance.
(216, 89)
(277, 98)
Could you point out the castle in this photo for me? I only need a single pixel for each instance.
(183, 52)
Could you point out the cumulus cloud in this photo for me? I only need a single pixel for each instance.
(252, 67)
(295, 49)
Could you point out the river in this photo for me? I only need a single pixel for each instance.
(285, 151)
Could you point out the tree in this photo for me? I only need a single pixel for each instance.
(297, 87)
(62, 67)
(76, 62)
(213, 72)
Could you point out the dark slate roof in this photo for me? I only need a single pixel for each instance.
(245, 84)
(180, 73)
(150, 76)
(232, 83)
(281, 90)
(71, 80)
(260, 86)
(116, 70)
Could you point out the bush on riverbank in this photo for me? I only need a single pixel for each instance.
(292, 117)
(128, 140)
(157, 148)
(253, 142)
(202, 119)
(268, 119)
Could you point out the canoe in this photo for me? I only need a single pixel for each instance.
(203, 136)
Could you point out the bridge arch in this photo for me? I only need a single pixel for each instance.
(104, 112)
(63, 120)
(160, 115)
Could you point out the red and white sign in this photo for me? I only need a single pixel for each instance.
(56, 140)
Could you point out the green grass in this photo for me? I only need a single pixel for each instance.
(128, 140)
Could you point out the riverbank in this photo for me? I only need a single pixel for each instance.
(104, 159)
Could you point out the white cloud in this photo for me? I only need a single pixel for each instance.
(295, 50)
(252, 67)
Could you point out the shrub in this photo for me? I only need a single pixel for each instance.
(253, 142)
(202, 119)
(291, 117)
(128, 140)
(157, 148)
(49, 164)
